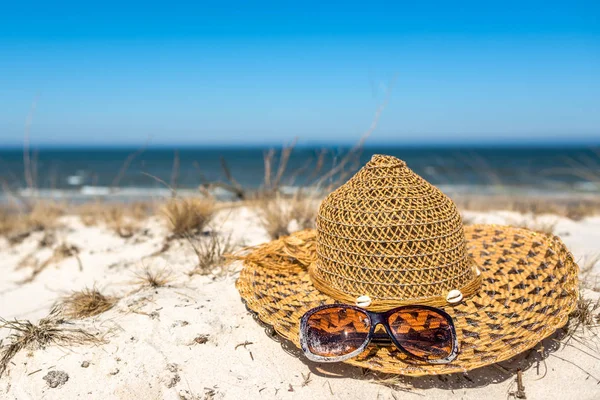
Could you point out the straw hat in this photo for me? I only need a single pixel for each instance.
(390, 235)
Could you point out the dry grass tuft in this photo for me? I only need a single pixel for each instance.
(579, 211)
(588, 279)
(50, 330)
(585, 315)
(8, 221)
(123, 219)
(573, 208)
(210, 251)
(303, 211)
(44, 215)
(117, 221)
(17, 224)
(86, 303)
(280, 216)
(148, 278)
(274, 218)
(536, 224)
(188, 215)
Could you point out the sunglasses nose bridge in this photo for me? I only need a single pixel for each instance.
(377, 319)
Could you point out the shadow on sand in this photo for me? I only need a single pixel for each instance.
(480, 377)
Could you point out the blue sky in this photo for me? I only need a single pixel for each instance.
(118, 73)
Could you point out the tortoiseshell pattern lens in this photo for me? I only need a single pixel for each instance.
(336, 331)
(423, 332)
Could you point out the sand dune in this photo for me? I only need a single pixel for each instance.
(194, 339)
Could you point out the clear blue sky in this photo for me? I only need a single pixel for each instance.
(116, 73)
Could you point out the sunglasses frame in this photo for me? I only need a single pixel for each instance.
(375, 319)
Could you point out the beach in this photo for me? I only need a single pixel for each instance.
(204, 201)
(194, 196)
(187, 335)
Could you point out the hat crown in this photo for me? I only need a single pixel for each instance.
(389, 234)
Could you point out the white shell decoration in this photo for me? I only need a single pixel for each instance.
(454, 296)
(363, 301)
(477, 271)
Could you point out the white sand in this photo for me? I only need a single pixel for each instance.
(151, 352)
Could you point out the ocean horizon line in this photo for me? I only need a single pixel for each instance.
(305, 145)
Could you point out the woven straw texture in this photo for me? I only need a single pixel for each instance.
(391, 235)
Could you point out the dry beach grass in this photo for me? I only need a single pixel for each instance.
(17, 223)
(210, 252)
(86, 303)
(188, 215)
(124, 219)
(53, 329)
(276, 214)
(152, 278)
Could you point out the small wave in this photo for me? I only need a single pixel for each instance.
(587, 186)
(75, 180)
(89, 192)
(95, 190)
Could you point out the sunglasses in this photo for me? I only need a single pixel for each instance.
(337, 332)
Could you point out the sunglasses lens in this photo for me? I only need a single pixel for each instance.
(423, 333)
(336, 331)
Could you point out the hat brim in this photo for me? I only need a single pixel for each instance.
(529, 288)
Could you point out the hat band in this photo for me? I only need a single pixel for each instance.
(325, 287)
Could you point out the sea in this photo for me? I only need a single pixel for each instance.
(82, 174)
